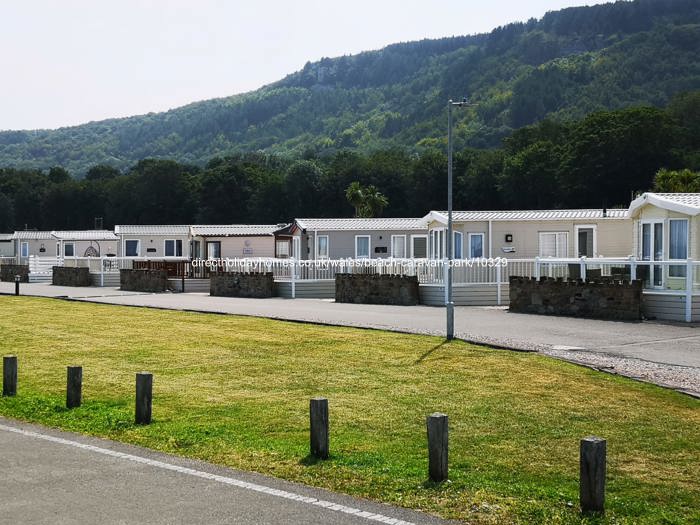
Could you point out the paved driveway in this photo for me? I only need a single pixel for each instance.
(643, 349)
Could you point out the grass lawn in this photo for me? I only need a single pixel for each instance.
(235, 391)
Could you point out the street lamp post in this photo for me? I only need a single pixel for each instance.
(450, 305)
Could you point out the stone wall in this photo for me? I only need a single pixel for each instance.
(8, 272)
(235, 284)
(143, 280)
(376, 289)
(63, 276)
(598, 299)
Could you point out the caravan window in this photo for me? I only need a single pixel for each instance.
(362, 246)
(476, 245)
(677, 245)
(131, 248)
(173, 248)
(322, 247)
(554, 244)
(398, 246)
(282, 248)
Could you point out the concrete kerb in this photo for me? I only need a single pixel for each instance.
(540, 349)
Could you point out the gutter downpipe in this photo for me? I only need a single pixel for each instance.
(490, 241)
(689, 290)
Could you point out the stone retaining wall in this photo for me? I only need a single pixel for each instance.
(376, 289)
(8, 272)
(63, 276)
(143, 280)
(599, 299)
(235, 284)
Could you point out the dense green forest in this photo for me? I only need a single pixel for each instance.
(564, 66)
(595, 161)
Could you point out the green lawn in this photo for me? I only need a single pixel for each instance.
(235, 391)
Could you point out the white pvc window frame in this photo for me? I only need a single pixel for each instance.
(579, 227)
(282, 248)
(175, 243)
(457, 245)
(393, 247)
(679, 270)
(126, 247)
(556, 234)
(471, 236)
(413, 245)
(319, 254)
(369, 246)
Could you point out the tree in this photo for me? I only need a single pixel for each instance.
(529, 178)
(58, 175)
(368, 201)
(301, 188)
(102, 172)
(224, 193)
(677, 181)
(355, 195)
(375, 202)
(428, 182)
(164, 192)
(611, 153)
(7, 214)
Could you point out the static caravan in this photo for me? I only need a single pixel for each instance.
(156, 241)
(34, 243)
(215, 241)
(359, 238)
(61, 244)
(535, 233)
(86, 243)
(666, 228)
(7, 245)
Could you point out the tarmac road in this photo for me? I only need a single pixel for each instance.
(57, 478)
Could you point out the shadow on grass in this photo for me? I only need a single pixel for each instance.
(435, 485)
(311, 460)
(430, 352)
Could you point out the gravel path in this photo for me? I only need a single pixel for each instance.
(685, 379)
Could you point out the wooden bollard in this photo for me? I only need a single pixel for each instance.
(438, 444)
(9, 375)
(592, 481)
(144, 397)
(318, 417)
(74, 387)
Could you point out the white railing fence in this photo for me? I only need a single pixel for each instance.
(657, 275)
(42, 265)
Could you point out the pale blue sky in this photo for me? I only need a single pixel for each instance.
(65, 62)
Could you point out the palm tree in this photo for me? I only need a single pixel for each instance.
(355, 196)
(374, 202)
(368, 201)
